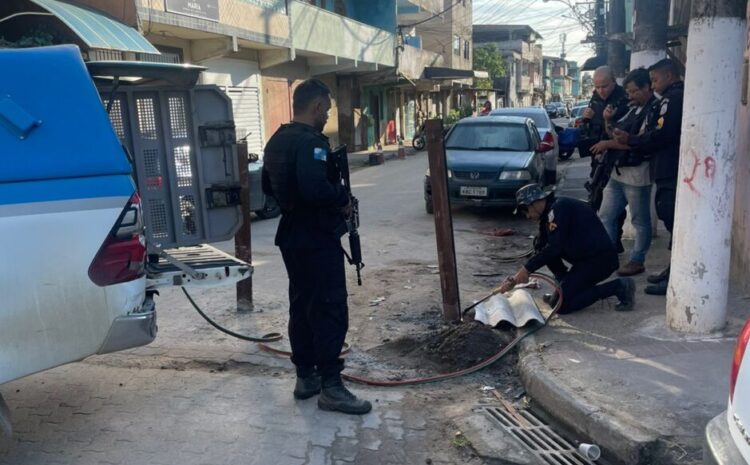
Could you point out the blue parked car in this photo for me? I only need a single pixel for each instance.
(489, 159)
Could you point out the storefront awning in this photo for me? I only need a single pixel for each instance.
(594, 62)
(140, 72)
(95, 29)
(434, 72)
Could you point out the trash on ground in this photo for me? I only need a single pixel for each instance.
(377, 301)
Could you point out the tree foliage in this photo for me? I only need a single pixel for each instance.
(488, 58)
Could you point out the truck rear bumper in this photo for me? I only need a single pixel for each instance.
(133, 330)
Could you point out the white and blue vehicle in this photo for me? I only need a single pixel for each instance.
(73, 275)
(90, 232)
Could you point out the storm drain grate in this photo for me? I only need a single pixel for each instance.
(536, 436)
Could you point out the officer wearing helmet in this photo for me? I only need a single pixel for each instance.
(570, 230)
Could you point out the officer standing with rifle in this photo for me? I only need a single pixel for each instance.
(302, 173)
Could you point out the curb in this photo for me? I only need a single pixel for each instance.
(621, 442)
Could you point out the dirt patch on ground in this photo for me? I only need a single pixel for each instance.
(449, 349)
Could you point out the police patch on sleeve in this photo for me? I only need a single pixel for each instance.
(664, 107)
(320, 154)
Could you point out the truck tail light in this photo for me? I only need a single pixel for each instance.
(739, 353)
(121, 257)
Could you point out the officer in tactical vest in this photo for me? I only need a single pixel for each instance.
(570, 230)
(314, 207)
(607, 93)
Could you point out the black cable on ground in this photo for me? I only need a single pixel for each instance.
(270, 337)
(456, 374)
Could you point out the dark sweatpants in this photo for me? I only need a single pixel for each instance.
(318, 313)
(580, 284)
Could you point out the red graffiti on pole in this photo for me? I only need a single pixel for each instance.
(710, 165)
(689, 180)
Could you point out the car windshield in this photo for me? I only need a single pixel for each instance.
(539, 117)
(489, 136)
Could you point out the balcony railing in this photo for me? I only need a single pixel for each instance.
(321, 31)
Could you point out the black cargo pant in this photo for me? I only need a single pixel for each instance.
(318, 314)
(580, 284)
(666, 195)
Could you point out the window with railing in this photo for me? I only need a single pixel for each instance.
(457, 45)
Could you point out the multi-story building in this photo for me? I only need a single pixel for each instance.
(523, 57)
(561, 87)
(435, 60)
(259, 50)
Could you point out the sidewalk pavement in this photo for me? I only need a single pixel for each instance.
(623, 380)
(361, 158)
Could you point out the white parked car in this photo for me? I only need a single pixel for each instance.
(547, 132)
(727, 439)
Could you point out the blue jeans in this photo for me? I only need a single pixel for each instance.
(615, 197)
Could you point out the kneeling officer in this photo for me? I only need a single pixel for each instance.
(570, 230)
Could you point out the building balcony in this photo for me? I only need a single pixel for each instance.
(254, 24)
(337, 43)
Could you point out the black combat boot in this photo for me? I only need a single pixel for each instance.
(626, 294)
(335, 397)
(307, 385)
(663, 275)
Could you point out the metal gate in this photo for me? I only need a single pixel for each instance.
(157, 126)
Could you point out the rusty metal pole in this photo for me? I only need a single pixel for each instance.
(443, 220)
(242, 242)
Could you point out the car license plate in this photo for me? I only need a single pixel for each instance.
(471, 191)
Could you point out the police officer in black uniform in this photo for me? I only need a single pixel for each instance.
(314, 207)
(570, 230)
(662, 140)
(607, 93)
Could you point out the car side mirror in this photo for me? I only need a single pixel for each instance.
(253, 157)
(544, 147)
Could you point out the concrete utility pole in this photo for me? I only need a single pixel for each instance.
(616, 56)
(600, 28)
(443, 220)
(649, 32)
(699, 281)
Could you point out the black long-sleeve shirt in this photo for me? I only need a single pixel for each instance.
(570, 229)
(296, 173)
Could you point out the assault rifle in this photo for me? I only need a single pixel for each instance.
(599, 181)
(340, 162)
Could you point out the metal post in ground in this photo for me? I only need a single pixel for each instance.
(443, 220)
(698, 287)
(649, 32)
(242, 242)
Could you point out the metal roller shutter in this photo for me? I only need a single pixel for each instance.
(247, 116)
